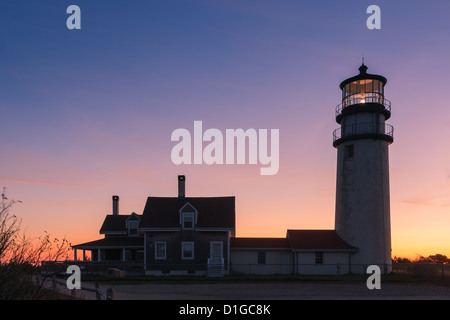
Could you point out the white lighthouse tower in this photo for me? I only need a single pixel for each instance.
(362, 216)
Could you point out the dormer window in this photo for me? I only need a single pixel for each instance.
(132, 225)
(188, 220)
(188, 217)
(133, 228)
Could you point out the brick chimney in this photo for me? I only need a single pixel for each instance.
(181, 186)
(115, 205)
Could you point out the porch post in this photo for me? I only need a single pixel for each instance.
(228, 252)
(99, 255)
(145, 251)
(84, 255)
(75, 254)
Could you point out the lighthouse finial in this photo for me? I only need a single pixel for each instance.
(363, 68)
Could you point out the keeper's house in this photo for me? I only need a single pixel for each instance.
(174, 236)
(196, 236)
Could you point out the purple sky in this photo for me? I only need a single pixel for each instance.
(88, 113)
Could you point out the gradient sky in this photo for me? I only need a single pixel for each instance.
(85, 114)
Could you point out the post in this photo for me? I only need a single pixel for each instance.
(54, 283)
(337, 271)
(98, 296)
(109, 294)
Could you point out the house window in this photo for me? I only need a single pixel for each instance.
(262, 257)
(187, 250)
(349, 151)
(188, 220)
(160, 250)
(318, 258)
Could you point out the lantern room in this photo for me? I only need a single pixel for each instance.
(363, 88)
(363, 92)
(363, 109)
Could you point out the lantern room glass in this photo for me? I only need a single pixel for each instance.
(363, 91)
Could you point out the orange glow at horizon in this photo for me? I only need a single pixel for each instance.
(258, 214)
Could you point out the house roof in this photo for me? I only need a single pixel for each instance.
(250, 243)
(112, 242)
(213, 212)
(296, 240)
(317, 239)
(117, 223)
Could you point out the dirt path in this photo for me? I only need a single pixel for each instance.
(258, 291)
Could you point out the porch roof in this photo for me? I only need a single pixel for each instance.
(112, 242)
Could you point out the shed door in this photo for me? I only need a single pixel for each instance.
(216, 252)
(285, 263)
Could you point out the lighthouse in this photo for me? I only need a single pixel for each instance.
(362, 216)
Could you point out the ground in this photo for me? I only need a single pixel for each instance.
(271, 291)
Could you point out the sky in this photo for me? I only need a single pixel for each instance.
(86, 114)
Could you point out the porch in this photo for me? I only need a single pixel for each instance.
(122, 253)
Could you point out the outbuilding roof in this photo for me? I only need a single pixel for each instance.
(296, 240)
(317, 239)
(251, 243)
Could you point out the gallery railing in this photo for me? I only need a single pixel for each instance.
(368, 98)
(385, 131)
